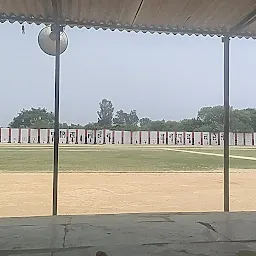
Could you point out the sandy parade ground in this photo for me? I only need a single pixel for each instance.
(27, 194)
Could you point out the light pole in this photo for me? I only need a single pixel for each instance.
(53, 41)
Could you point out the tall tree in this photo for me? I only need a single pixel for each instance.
(105, 113)
(240, 121)
(159, 125)
(126, 121)
(132, 118)
(120, 118)
(33, 118)
(172, 126)
(252, 112)
(212, 117)
(145, 123)
(190, 125)
(209, 119)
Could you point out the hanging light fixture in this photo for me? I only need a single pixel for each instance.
(47, 40)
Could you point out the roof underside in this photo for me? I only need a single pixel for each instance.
(200, 17)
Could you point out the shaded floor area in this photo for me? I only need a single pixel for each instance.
(131, 234)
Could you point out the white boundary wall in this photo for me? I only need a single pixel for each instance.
(81, 136)
(144, 137)
(136, 137)
(24, 135)
(72, 136)
(248, 138)
(232, 137)
(206, 138)
(4, 135)
(197, 138)
(118, 137)
(162, 138)
(188, 138)
(34, 136)
(153, 137)
(108, 137)
(127, 137)
(240, 139)
(15, 135)
(171, 138)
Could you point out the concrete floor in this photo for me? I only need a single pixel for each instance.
(131, 235)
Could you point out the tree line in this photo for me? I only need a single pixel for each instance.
(208, 119)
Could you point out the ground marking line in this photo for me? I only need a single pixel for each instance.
(210, 154)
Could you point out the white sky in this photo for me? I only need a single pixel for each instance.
(163, 77)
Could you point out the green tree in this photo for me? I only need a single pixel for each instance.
(252, 112)
(76, 126)
(145, 123)
(159, 125)
(120, 118)
(240, 121)
(190, 125)
(212, 117)
(209, 119)
(105, 113)
(132, 118)
(33, 118)
(172, 126)
(125, 121)
(92, 126)
(64, 126)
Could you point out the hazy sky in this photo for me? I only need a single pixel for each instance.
(163, 77)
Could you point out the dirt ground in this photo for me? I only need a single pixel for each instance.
(82, 193)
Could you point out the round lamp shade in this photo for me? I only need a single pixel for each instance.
(47, 42)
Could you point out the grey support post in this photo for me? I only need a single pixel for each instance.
(226, 41)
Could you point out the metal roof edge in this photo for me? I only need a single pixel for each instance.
(125, 27)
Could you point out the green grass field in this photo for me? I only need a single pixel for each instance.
(113, 158)
(238, 151)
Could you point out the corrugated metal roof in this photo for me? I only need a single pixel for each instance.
(205, 17)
